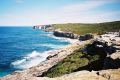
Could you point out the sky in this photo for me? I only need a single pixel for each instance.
(37, 12)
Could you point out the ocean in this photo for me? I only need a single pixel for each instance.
(24, 47)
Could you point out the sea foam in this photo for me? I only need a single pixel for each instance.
(34, 58)
(30, 60)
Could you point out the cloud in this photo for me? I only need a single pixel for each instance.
(44, 18)
(75, 13)
(85, 12)
(89, 17)
(87, 5)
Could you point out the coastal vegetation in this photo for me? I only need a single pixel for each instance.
(93, 59)
(79, 28)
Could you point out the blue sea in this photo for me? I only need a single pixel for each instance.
(24, 47)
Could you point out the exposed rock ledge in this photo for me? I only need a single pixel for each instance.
(59, 33)
(71, 35)
(94, 75)
(111, 74)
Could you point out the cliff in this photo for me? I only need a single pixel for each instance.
(71, 35)
(59, 33)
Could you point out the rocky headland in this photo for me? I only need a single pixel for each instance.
(101, 53)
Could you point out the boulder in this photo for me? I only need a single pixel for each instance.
(85, 37)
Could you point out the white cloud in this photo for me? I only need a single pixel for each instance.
(30, 19)
(75, 13)
(84, 12)
(88, 17)
(87, 5)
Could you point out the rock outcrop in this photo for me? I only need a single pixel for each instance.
(65, 34)
(112, 61)
(85, 37)
(111, 74)
(71, 35)
(81, 75)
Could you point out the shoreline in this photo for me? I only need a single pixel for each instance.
(55, 57)
(60, 54)
(47, 53)
(52, 52)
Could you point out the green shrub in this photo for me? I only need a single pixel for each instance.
(77, 60)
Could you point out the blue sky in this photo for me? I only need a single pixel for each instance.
(33, 12)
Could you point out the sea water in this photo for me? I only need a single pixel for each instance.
(24, 47)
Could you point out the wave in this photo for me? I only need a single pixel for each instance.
(34, 58)
(52, 36)
(30, 60)
(64, 39)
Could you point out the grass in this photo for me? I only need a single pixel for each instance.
(80, 29)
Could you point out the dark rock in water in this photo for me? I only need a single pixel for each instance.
(86, 37)
(58, 34)
(34, 27)
(65, 34)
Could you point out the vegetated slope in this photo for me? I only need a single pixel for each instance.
(80, 60)
(80, 28)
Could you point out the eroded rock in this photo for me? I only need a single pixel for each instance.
(65, 34)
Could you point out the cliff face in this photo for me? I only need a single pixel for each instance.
(71, 35)
(65, 34)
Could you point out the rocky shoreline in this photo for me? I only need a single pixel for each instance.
(34, 73)
(57, 56)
